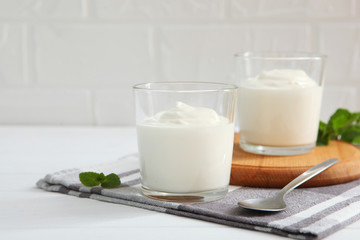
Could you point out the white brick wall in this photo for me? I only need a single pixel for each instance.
(12, 52)
(26, 9)
(159, 9)
(73, 62)
(92, 55)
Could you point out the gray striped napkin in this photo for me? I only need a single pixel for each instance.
(312, 213)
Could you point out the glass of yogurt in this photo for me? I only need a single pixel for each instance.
(185, 133)
(279, 101)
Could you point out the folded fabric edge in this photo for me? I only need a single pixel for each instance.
(42, 184)
(248, 226)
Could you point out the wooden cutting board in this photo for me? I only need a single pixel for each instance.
(276, 171)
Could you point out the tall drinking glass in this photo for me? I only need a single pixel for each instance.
(279, 101)
(185, 133)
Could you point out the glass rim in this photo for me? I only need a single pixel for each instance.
(221, 87)
(281, 55)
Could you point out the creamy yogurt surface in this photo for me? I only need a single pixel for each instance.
(185, 149)
(186, 115)
(282, 78)
(280, 107)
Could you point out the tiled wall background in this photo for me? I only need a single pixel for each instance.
(73, 62)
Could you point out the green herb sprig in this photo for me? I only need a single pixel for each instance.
(343, 125)
(92, 179)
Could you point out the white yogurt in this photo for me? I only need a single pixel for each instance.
(185, 149)
(279, 108)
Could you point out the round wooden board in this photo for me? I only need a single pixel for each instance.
(276, 171)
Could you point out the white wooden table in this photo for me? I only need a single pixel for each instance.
(29, 153)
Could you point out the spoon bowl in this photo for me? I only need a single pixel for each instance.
(276, 202)
(272, 204)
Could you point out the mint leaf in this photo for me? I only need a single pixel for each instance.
(356, 116)
(351, 134)
(111, 181)
(323, 138)
(342, 125)
(339, 119)
(101, 177)
(90, 179)
(356, 141)
(322, 126)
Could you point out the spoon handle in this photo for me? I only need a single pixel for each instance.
(312, 172)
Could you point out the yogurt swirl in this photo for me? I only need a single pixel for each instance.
(282, 78)
(186, 115)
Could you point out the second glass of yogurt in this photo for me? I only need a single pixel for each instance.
(185, 133)
(279, 101)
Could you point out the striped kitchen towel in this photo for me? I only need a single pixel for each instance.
(312, 213)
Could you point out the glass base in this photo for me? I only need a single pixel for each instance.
(195, 197)
(277, 151)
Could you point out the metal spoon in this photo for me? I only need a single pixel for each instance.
(277, 203)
